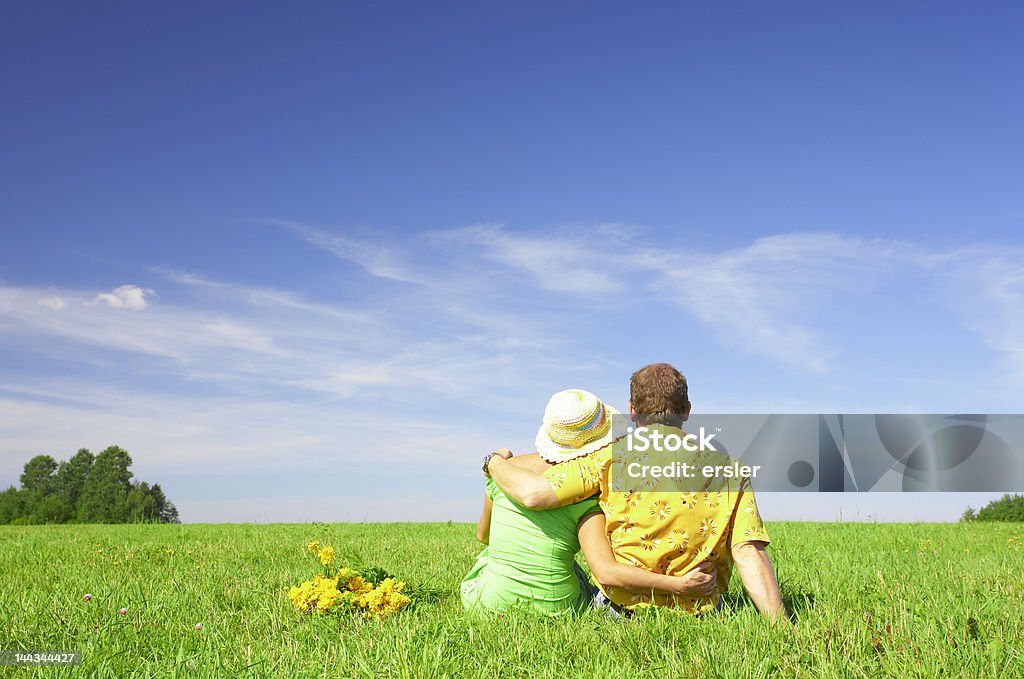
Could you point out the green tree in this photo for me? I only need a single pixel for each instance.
(71, 478)
(11, 505)
(141, 504)
(38, 485)
(105, 493)
(166, 511)
(52, 508)
(39, 475)
(1006, 508)
(85, 488)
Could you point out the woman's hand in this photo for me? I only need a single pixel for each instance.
(699, 582)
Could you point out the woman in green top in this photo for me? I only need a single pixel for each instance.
(530, 554)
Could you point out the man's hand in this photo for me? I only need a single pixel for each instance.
(700, 582)
(503, 453)
(528, 488)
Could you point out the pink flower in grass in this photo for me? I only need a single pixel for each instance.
(88, 597)
(123, 611)
(199, 625)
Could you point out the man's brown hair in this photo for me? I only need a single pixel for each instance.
(659, 395)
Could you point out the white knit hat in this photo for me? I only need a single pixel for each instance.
(576, 423)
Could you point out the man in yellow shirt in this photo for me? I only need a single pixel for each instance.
(662, 531)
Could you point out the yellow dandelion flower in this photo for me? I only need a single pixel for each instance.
(357, 584)
(317, 595)
(384, 599)
(348, 589)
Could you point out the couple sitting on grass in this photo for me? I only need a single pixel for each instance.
(674, 549)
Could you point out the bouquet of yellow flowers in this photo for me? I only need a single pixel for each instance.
(370, 591)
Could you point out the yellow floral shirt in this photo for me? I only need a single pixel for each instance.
(665, 532)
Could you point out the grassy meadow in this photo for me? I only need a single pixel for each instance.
(929, 600)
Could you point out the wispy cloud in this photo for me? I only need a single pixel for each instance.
(763, 298)
(221, 374)
(579, 262)
(53, 302)
(766, 298)
(984, 287)
(214, 375)
(377, 260)
(165, 331)
(130, 297)
(262, 297)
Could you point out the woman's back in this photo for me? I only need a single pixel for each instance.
(530, 554)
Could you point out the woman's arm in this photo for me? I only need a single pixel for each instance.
(483, 527)
(699, 582)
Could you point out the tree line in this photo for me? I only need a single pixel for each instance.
(1007, 508)
(85, 489)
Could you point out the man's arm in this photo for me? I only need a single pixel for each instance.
(483, 527)
(699, 582)
(523, 486)
(758, 577)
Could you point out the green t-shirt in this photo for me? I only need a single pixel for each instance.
(529, 557)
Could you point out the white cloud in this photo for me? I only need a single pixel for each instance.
(53, 302)
(762, 298)
(191, 337)
(264, 440)
(377, 260)
(237, 338)
(256, 296)
(580, 262)
(985, 289)
(130, 297)
(231, 375)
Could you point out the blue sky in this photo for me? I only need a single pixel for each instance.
(311, 263)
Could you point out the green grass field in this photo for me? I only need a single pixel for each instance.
(868, 600)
